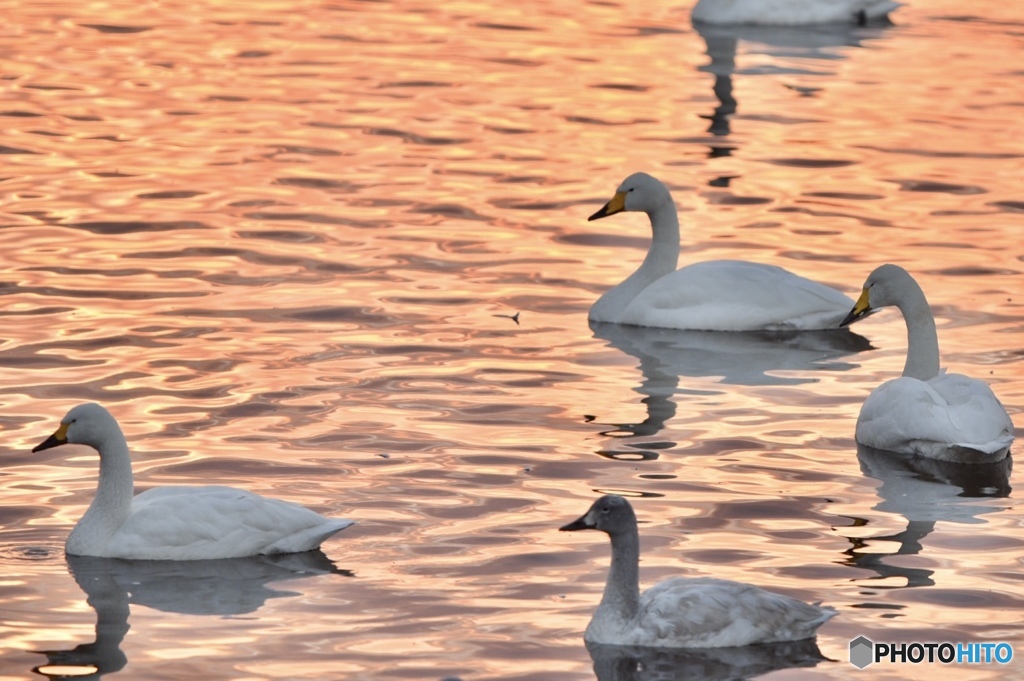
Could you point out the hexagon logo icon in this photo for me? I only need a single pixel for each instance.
(862, 652)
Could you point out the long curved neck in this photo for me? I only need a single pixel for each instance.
(622, 591)
(922, 339)
(111, 506)
(662, 258)
(663, 255)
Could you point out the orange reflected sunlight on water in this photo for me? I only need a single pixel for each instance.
(286, 244)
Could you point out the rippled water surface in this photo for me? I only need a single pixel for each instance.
(284, 243)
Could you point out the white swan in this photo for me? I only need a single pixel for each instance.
(926, 411)
(716, 295)
(176, 523)
(791, 12)
(679, 612)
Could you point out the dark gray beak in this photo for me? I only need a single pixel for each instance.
(578, 524)
(603, 213)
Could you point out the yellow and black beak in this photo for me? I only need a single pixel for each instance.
(862, 308)
(616, 205)
(57, 439)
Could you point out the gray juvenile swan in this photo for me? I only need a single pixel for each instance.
(926, 411)
(791, 12)
(679, 612)
(176, 523)
(715, 295)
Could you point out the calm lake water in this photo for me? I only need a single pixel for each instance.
(282, 242)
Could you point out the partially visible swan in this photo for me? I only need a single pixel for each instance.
(926, 411)
(176, 523)
(679, 612)
(716, 295)
(792, 12)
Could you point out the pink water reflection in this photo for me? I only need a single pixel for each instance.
(275, 238)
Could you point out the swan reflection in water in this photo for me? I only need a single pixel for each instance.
(924, 491)
(738, 358)
(224, 587)
(814, 45)
(632, 663)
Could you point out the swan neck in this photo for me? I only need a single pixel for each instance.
(622, 591)
(922, 338)
(661, 259)
(663, 255)
(111, 506)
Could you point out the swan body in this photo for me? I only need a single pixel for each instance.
(176, 523)
(791, 12)
(681, 612)
(926, 411)
(716, 295)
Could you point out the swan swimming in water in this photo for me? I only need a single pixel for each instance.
(176, 523)
(926, 411)
(792, 12)
(680, 612)
(715, 295)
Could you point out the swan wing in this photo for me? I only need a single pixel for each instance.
(190, 523)
(951, 417)
(734, 295)
(713, 613)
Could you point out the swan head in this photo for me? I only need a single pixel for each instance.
(882, 288)
(611, 513)
(87, 424)
(639, 192)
